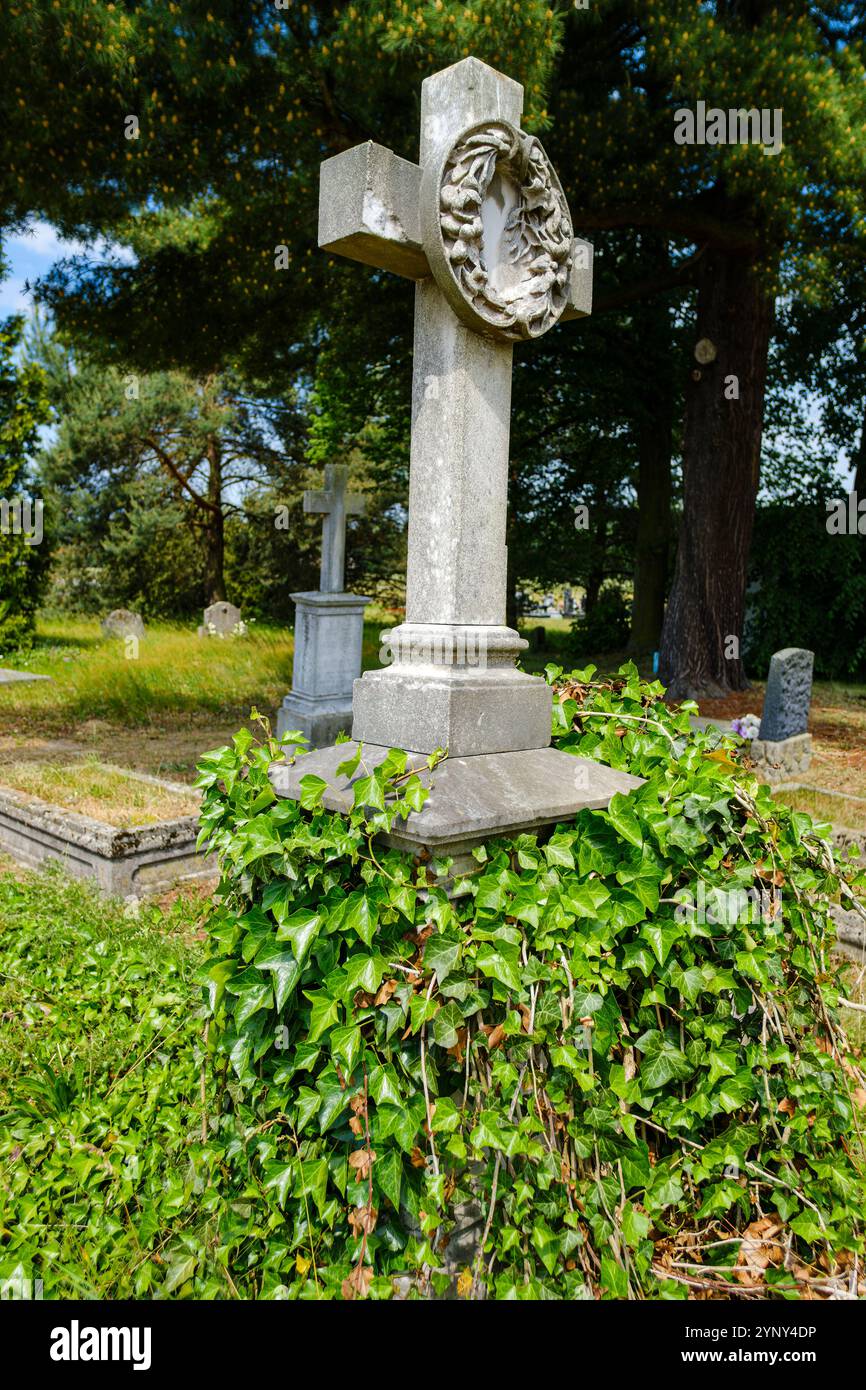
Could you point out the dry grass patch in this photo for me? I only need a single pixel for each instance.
(104, 793)
(846, 811)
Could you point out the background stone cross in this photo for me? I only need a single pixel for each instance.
(335, 503)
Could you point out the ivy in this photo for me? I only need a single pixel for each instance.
(621, 1044)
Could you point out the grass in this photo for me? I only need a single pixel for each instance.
(175, 674)
(104, 793)
(104, 1191)
(846, 811)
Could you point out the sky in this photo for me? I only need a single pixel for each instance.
(32, 253)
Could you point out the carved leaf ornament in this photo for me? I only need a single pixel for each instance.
(537, 238)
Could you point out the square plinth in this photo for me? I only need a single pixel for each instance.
(329, 637)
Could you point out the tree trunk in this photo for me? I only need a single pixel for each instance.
(214, 529)
(703, 625)
(594, 585)
(652, 544)
(860, 463)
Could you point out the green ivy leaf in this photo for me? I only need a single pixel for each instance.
(624, 820)
(361, 916)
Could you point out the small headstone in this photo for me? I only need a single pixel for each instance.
(222, 620)
(122, 623)
(789, 693)
(567, 603)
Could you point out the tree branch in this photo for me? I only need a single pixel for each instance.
(169, 464)
(681, 274)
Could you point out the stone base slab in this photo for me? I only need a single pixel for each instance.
(141, 860)
(471, 799)
(10, 677)
(781, 760)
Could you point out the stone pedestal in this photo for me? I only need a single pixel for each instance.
(453, 687)
(329, 632)
(783, 759)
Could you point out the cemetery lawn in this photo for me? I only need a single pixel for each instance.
(104, 1191)
(158, 713)
(843, 811)
(106, 794)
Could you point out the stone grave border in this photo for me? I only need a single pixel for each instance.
(137, 861)
(849, 924)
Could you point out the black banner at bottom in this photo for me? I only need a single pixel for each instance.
(84, 1340)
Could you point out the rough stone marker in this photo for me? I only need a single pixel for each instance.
(329, 626)
(783, 748)
(482, 225)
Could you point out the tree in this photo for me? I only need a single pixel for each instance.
(24, 546)
(130, 446)
(738, 225)
(247, 100)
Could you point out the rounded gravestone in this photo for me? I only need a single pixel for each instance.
(122, 623)
(221, 619)
(497, 231)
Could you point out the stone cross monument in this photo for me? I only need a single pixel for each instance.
(335, 503)
(482, 225)
(329, 626)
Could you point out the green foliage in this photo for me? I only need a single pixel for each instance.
(564, 1041)
(107, 1191)
(23, 561)
(605, 627)
(808, 590)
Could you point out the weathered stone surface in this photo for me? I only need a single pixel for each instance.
(328, 640)
(368, 195)
(471, 799)
(220, 619)
(320, 721)
(789, 693)
(851, 929)
(782, 760)
(461, 401)
(441, 689)
(10, 677)
(465, 711)
(140, 860)
(329, 626)
(329, 631)
(123, 623)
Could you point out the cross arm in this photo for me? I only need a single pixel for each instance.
(369, 202)
(321, 500)
(580, 284)
(318, 501)
(369, 211)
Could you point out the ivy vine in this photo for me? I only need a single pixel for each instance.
(580, 1074)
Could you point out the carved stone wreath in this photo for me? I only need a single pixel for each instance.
(537, 237)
